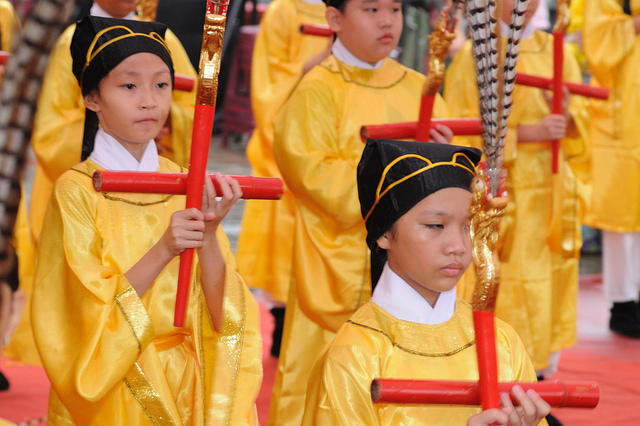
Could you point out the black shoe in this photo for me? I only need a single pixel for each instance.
(552, 420)
(625, 319)
(4, 383)
(278, 316)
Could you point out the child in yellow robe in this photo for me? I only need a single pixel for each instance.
(317, 146)
(540, 234)
(281, 56)
(612, 47)
(59, 122)
(415, 198)
(105, 286)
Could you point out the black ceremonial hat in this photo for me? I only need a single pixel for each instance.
(394, 176)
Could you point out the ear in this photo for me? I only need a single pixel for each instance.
(384, 242)
(334, 19)
(91, 101)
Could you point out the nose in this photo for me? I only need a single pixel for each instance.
(458, 243)
(148, 99)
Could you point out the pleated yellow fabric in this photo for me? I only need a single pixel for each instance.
(374, 344)
(540, 235)
(613, 54)
(317, 147)
(279, 55)
(9, 24)
(114, 358)
(57, 143)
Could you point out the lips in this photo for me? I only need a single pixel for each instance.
(386, 38)
(452, 269)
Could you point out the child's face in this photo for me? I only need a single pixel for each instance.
(507, 10)
(133, 101)
(369, 29)
(430, 246)
(117, 8)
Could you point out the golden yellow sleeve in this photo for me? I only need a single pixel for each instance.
(9, 25)
(89, 324)
(608, 36)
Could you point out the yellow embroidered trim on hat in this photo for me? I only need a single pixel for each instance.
(91, 54)
(430, 166)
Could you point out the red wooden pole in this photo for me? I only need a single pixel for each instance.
(263, 188)
(483, 323)
(316, 30)
(4, 57)
(183, 83)
(574, 88)
(558, 63)
(557, 393)
(407, 130)
(423, 126)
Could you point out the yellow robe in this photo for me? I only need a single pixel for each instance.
(375, 345)
(613, 52)
(540, 235)
(317, 147)
(114, 358)
(279, 54)
(58, 129)
(9, 25)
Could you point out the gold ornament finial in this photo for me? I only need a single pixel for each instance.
(147, 9)
(485, 214)
(563, 16)
(439, 41)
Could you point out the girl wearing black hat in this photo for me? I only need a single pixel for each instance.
(415, 200)
(107, 270)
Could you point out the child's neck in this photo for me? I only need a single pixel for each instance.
(343, 54)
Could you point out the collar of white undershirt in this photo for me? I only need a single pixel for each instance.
(109, 154)
(313, 1)
(399, 299)
(100, 12)
(527, 31)
(342, 54)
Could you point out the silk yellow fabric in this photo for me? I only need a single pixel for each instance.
(114, 358)
(317, 147)
(613, 52)
(56, 141)
(374, 344)
(9, 25)
(279, 55)
(544, 209)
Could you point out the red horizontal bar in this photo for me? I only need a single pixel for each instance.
(183, 83)
(407, 130)
(574, 88)
(259, 188)
(557, 393)
(316, 30)
(4, 57)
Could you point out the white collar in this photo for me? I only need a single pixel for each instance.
(527, 31)
(109, 154)
(100, 12)
(399, 299)
(342, 54)
(313, 1)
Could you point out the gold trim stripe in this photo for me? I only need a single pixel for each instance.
(136, 316)
(148, 398)
(430, 166)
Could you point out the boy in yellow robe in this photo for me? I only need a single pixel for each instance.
(281, 56)
(59, 123)
(317, 147)
(104, 294)
(415, 198)
(612, 46)
(540, 235)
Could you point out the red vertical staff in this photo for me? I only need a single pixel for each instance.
(209, 70)
(558, 64)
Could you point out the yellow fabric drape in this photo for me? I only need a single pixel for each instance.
(114, 358)
(317, 147)
(613, 53)
(9, 25)
(57, 143)
(374, 344)
(279, 54)
(543, 215)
